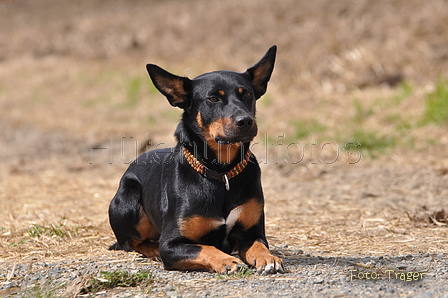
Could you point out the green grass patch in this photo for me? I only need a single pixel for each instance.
(133, 94)
(399, 122)
(244, 272)
(304, 128)
(266, 100)
(119, 89)
(371, 143)
(39, 291)
(386, 110)
(43, 288)
(436, 104)
(363, 128)
(404, 90)
(109, 280)
(152, 120)
(58, 230)
(361, 112)
(20, 242)
(431, 142)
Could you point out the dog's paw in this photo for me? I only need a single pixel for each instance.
(269, 264)
(259, 256)
(227, 265)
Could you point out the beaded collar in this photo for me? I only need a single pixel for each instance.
(224, 177)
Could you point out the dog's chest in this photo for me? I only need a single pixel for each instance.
(247, 215)
(232, 218)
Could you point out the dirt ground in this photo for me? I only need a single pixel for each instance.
(72, 81)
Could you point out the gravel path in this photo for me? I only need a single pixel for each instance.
(308, 275)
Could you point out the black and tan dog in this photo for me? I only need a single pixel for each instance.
(194, 204)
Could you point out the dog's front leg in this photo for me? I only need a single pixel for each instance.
(182, 256)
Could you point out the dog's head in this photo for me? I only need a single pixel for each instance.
(219, 104)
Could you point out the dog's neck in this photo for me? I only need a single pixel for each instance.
(219, 158)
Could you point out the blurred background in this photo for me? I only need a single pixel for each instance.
(367, 76)
(372, 72)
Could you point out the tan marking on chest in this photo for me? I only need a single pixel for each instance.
(232, 218)
(247, 215)
(251, 213)
(196, 227)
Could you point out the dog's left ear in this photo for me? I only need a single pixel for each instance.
(176, 89)
(261, 72)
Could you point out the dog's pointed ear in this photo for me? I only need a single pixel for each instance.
(176, 89)
(261, 72)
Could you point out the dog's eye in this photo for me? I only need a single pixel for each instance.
(213, 99)
(247, 95)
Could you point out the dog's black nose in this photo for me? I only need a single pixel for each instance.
(246, 121)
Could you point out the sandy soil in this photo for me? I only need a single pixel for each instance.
(72, 78)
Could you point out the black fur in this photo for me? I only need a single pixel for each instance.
(219, 111)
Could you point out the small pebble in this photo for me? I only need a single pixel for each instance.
(169, 287)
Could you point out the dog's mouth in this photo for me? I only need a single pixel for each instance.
(233, 140)
(231, 136)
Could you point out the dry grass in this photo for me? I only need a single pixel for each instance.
(72, 74)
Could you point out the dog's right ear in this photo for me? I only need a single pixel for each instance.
(176, 89)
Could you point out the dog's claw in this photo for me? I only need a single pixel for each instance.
(280, 268)
(270, 268)
(228, 270)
